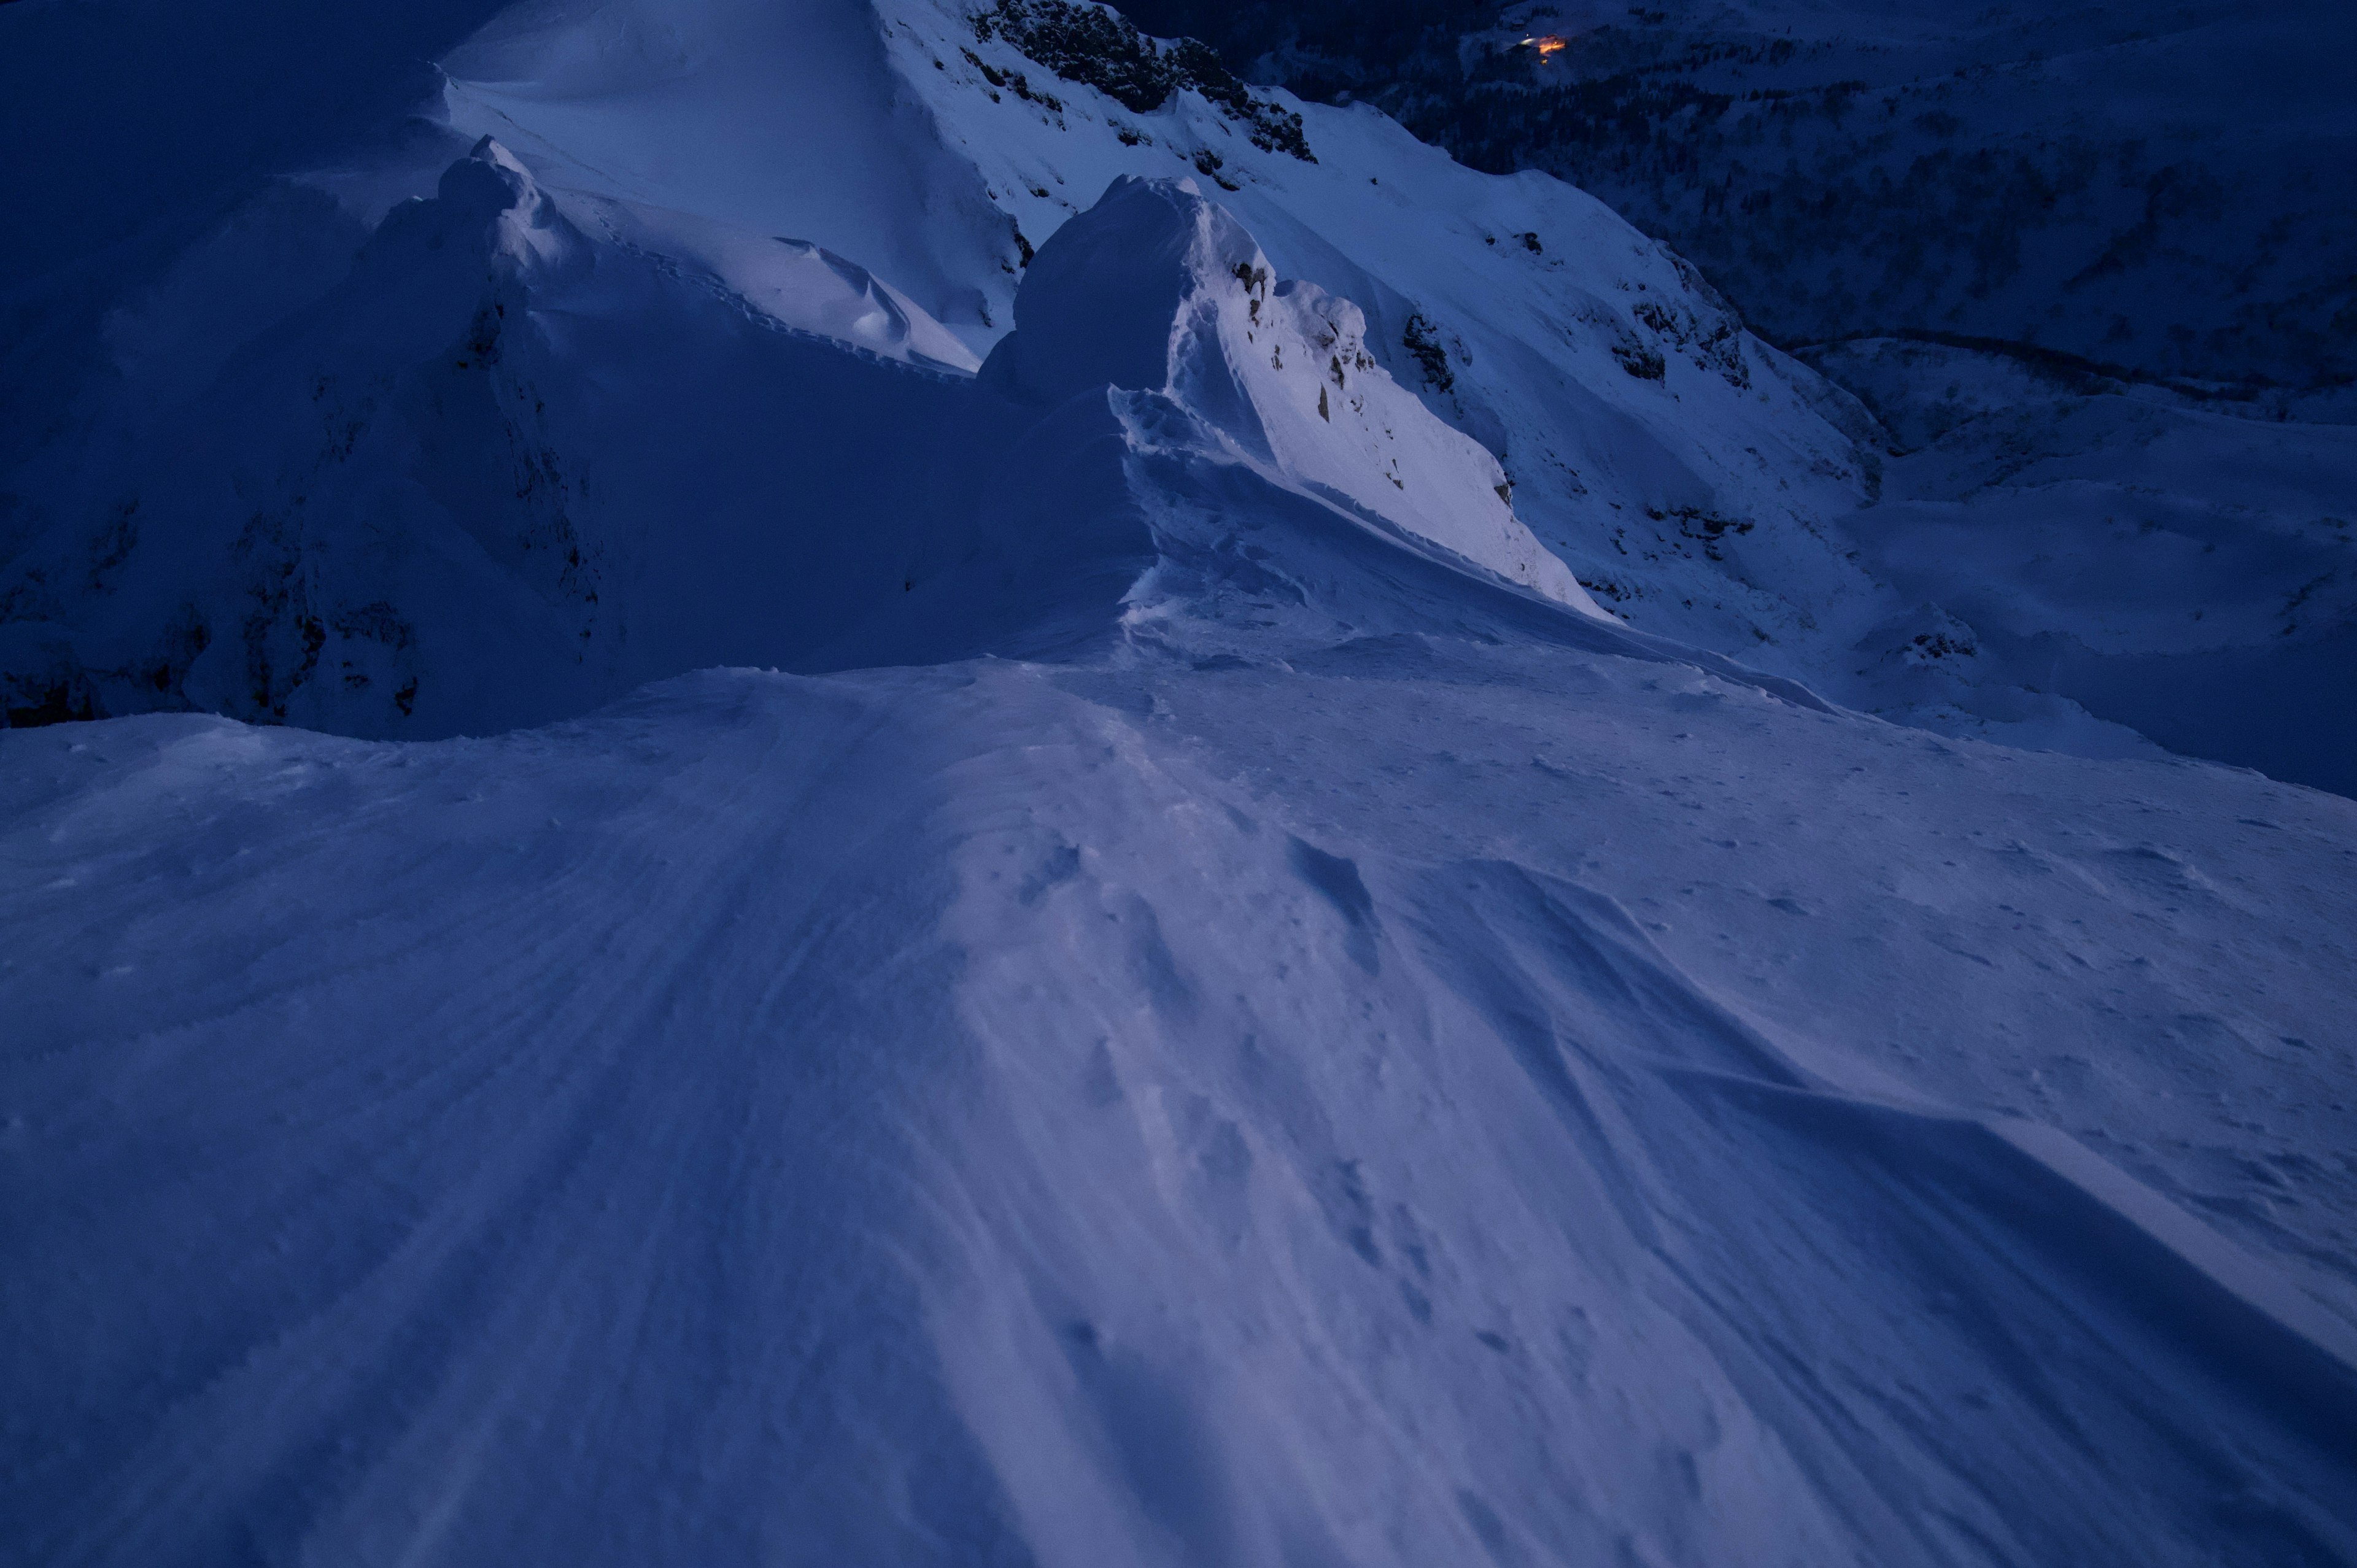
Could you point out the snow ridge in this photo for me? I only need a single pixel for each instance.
(1161, 291)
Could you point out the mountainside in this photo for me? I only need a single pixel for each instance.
(2154, 185)
(836, 783)
(1698, 484)
(2173, 566)
(496, 447)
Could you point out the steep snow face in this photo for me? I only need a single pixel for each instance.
(1161, 291)
(1672, 462)
(793, 283)
(775, 118)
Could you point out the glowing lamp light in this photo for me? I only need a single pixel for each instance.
(1545, 43)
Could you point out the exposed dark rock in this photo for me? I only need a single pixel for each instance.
(1100, 48)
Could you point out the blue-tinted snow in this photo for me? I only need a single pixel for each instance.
(1225, 1011)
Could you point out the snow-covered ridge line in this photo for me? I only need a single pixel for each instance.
(1163, 292)
(1533, 298)
(883, 1069)
(486, 382)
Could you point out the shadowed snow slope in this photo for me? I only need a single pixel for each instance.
(2164, 563)
(1437, 1102)
(1207, 1007)
(515, 465)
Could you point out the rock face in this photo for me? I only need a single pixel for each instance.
(1098, 47)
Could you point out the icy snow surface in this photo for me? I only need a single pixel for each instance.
(920, 858)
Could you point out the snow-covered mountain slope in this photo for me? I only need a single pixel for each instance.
(1427, 1101)
(382, 517)
(2167, 564)
(520, 470)
(2154, 184)
(1650, 441)
(1220, 1009)
(1653, 448)
(1688, 476)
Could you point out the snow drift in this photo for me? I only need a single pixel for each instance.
(1432, 1100)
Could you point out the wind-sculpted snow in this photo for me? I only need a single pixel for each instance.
(799, 286)
(1433, 1103)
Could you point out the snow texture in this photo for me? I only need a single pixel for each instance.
(844, 815)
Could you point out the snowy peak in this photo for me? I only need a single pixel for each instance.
(1674, 463)
(1156, 289)
(1101, 305)
(488, 206)
(542, 445)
